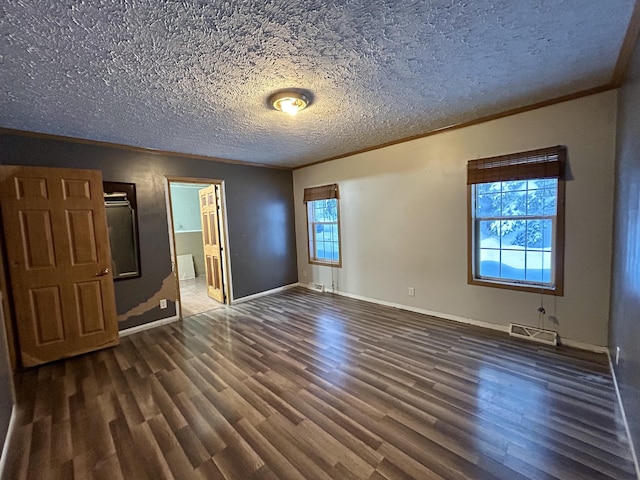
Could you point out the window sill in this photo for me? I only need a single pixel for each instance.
(556, 291)
(326, 264)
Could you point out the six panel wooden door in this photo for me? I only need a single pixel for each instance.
(209, 211)
(59, 261)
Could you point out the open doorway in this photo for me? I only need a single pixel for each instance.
(197, 224)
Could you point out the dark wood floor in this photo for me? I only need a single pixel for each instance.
(301, 385)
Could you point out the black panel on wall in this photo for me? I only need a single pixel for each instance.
(259, 205)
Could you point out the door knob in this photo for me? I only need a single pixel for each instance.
(102, 272)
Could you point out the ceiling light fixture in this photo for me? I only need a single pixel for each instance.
(289, 102)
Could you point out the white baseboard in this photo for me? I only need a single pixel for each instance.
(5, 448)
(266, 292)
(446, 316)
(147, 326)
(469, 321)
(583, 346)
(624, 416)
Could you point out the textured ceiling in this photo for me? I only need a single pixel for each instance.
(194, 76)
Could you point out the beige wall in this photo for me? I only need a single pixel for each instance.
(191, 242)
(404, 219)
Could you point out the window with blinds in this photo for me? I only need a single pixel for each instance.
(323, 225)
(516, 220)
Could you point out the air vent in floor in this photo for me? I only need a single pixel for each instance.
(316, 287)
(534, 334)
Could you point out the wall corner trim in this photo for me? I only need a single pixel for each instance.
(624, 416)
(147, 326)
(266, 292)
(5, 448)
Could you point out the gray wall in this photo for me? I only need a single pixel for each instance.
(624, 326)
(259, 213)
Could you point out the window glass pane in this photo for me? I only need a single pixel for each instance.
(488, 187)
(489, 232)
(329, 234)
(512, 264)
(547, 234)
(488, 205)
(514, 186)
(321, 252)
(546, 266)
(326, 210)
(534, 234)
(489, 262)
(514, 203)
(332, 253)
(538, 268)
(533, 184)
(548, 183)
(320, 213)
(511, 233)
(535, 202)
(334, 229)
(550, 202)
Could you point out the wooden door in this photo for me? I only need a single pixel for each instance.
(59, 261)
(209, 213)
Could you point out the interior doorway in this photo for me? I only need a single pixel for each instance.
(197, 223)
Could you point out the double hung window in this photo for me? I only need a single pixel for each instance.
(516, 220)
(323, 224)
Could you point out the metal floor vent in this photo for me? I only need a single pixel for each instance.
(534, 334)
(316, 287)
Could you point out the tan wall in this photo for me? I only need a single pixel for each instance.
(404, 219)
(191, 242)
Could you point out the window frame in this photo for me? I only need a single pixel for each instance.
(325, 192)
(527, 172)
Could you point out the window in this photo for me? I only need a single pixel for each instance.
(516, 221)
(323, 225)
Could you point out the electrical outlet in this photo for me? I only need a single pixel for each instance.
(163, 303)
(304, 273)
(412, 292)
(617, 355)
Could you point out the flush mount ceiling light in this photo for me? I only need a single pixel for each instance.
(289, 102)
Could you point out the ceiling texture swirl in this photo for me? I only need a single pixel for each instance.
(195, 76)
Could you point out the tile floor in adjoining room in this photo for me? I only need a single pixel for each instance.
(193, 293)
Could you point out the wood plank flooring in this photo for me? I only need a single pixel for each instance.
(301, 385)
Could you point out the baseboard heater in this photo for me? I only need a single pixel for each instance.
(316, 287)
(534, 334)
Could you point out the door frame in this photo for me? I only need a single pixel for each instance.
(9, 326)
(227, 286)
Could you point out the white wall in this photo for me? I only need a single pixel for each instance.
(404, 219)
